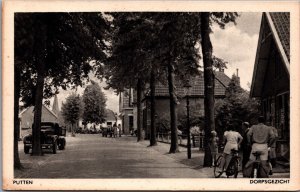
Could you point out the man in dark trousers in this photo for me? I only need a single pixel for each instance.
(246, 146)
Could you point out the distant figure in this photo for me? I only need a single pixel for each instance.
(120, 130)
(214, 146)
(110, 131)
(245, 145)
(115, 130)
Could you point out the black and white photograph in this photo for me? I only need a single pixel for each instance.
(150, 95)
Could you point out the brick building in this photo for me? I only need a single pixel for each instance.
(196, 98)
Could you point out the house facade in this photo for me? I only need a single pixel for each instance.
(271, 76)
(110, 119)
(27, 115)
(127, 111)
(196, 98)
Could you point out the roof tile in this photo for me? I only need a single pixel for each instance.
(197, 89)
(281, 21)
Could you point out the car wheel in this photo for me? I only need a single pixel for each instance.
(26, 149)
(62, 144)
(54, 147)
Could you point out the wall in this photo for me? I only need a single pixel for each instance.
(163, 106)
(163, 110)
(26, 119)
(125, 120)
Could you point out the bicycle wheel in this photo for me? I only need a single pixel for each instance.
(217, 167)
(255, 171)
(236, 168)
(232, 169)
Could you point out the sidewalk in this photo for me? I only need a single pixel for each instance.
(196, 162)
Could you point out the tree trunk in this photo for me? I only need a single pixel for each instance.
(36, 130)
(139, 110)
(209, 82)
(72, 130)
(17, 162)
(173, 115)
(153, 141)
(40, 50)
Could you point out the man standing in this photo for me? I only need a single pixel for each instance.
(120, 130)
(246, 146)
(115, 131)
(261, 136)
(273, 147)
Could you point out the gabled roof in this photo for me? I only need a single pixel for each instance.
(43, 106)
(281, 23)
(110, 115)
(276, 26)
(197, 89)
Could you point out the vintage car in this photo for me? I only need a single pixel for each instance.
(52, 137)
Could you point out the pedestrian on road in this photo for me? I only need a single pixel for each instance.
(233, 139)
(214, 146)
(245, 145)
(110, 131)
(115, 130)
(120, 130)
(262, 137)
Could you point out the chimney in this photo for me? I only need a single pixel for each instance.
(237, 76)
(221, 69)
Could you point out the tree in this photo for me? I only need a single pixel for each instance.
(163, 42)
(59, 50)
(207, 18)
(71, 110)
(153, 141)
(237, 107)
(209, 84)
(131, 61)
(178, 36)
(128, 37)
(94, 102)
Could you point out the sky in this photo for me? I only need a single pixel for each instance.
(235, 44)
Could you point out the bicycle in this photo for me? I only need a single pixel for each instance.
(233, 166)
(257, 165)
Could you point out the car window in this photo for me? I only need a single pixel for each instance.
(46, 127)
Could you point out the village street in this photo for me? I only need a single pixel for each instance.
(94, 156)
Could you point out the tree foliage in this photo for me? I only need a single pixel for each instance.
(196, 118)
(60, 49)
(71, 110)
(153, 44)
(237, 107)
(74, 44)
(94, 102)
(207, 18)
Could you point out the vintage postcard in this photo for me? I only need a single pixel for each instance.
(150, 95)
